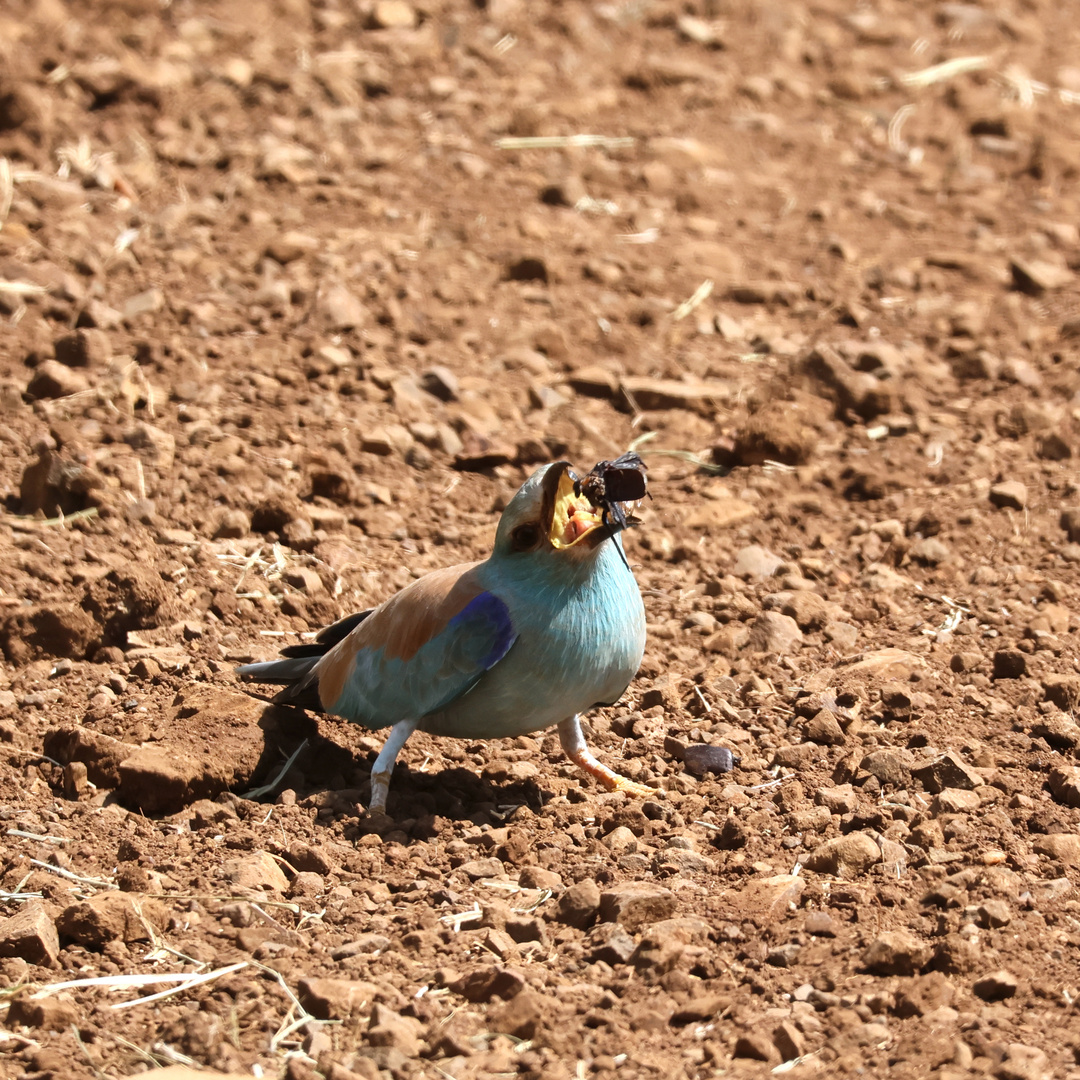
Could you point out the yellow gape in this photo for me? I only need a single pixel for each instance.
(574, 515)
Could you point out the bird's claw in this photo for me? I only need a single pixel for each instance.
(631, 787)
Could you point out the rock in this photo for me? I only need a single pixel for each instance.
(700, 759)
(844, 856)
(524, 1016)
(841, 799)
(896, 953)
(701, 1009)
(306, 883)
(716, 514)
(303, 857)
(478, 869)
(160, 780)
(889, 765)
(484, 457)
(947, 771)
(304, 579)
(997, 986)
(158, 446)
(824, 729)
(808, 610)
(537, 877)
(101, 754)
(657, 394)
(51, 379)
(233, 524)
(1010, 495)
(336, 999)
(30, 934)
(593, 381)
(392, 15)
(620, 839)
(1037, 276)
(1063, 691)
(636, 904)
(579, 905)
(774, 633)
(51, 1012)
(929, 551)
(663, 943)
(341, 309)
(755, 1046)
(527, 268)
(63, 630)
(1009, 664)
(489, 982)
(1023, 1063)
(610, 943)
(257, 872)
(112, 916)
(994, 914)
(1070, 522)
(390, 1029)
(1052, 447)
(820, 924)
(962, 662)
(756, 562)
(83, 348)
(1064, 847)
(148, 302)
(954, 801)
(440, 382)
(789, 1041)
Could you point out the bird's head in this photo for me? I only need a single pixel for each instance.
(547, 516)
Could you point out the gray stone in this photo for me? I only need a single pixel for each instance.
(845, 856)
(1009, 664)
(997, 986)
(756, 562)
(1009, 495)
(51, 379)
(896, 952)
(31, 935)
(945, 772)
(773, 633)
(636, 904)
(578, 906)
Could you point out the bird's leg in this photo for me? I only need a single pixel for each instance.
(384, 764)
(575, 748)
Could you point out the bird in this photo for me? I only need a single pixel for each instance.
(550, 625)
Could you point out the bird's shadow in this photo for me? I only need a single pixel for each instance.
(333, 769)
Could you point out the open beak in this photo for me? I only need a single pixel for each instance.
(574, 521)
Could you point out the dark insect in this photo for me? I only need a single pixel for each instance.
(612, 483)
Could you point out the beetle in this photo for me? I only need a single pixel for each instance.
(611, 483)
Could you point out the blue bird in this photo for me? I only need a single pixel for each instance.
(547, 627)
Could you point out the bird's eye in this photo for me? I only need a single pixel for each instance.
(525, 536)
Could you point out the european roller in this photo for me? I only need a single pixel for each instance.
(550, 625)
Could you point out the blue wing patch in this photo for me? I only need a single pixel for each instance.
(382, 690)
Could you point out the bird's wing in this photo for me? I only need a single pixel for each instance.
(419, 651)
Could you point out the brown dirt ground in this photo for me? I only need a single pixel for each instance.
(283, 325)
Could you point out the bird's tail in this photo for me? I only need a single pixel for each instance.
(278, 672)
(296, 670)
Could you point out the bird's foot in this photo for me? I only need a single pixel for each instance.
(380, 789)
(575, 748)
(623, 783)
